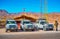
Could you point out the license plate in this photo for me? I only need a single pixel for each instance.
(29, 27)
(50, 27)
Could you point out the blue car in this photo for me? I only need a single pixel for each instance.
(50, 26)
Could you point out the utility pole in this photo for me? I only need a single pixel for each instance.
(24, 10)
(44, 15)
(45, 9)
(41, 7)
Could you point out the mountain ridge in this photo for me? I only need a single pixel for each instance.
(51, 16)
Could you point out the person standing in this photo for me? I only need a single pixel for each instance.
(56, 25)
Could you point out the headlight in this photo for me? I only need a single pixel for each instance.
(45, 25)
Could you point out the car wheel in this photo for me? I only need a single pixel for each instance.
(11, 30)
(6, 30)
(16, 30)
(33, 29)
(24, 29)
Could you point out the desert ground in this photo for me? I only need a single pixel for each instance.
(29, 34)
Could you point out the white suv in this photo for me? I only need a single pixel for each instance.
(11, 25)
(27, 25)
(41, 23)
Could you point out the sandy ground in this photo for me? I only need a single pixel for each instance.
(2, 32)
(30, 35)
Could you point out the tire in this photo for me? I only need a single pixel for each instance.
(21, 28)
(11, 30)
(24, 29)
(6, 30)
(16, 30)
(33, 29)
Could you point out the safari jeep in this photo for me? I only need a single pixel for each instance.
(27, 25)
(41, 24)
(11, 25)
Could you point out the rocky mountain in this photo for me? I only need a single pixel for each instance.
(3, 13)
(50, 17)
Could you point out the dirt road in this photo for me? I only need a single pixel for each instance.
(30, 35)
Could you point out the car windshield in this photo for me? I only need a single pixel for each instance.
(50, 25)
(11, 22)
(42, 23)
(26, 22)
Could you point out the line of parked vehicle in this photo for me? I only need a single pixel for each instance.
(40, 24)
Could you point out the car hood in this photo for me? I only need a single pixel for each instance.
(11, 24)
(7, 25)
(28, 24)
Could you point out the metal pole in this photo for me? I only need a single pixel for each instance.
(24, 10)
(45, 8)
(41, 7)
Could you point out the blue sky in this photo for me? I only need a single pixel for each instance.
(30, 5)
